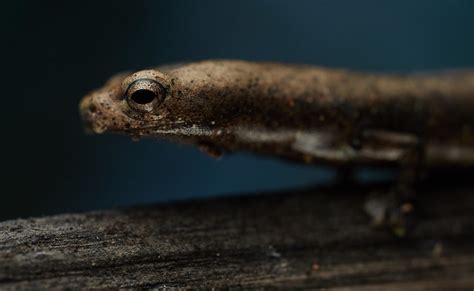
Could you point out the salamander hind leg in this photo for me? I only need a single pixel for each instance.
(395, 209)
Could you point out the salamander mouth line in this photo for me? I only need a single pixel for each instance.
(193, 130)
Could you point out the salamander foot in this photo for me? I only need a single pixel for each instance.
(389, 211)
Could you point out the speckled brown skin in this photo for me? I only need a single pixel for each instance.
(303, 113)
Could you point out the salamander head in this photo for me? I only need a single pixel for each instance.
(145, 103)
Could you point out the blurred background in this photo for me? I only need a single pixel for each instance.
(54, 52)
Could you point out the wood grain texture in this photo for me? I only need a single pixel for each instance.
(312, 238)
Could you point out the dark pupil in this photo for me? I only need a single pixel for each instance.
(143, 96)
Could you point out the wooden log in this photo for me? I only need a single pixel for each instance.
(312, 238)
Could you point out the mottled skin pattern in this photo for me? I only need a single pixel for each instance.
(315, 115)
(302, 113)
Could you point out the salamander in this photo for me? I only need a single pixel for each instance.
(307, 114)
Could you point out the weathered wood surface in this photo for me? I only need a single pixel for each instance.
(298, 239)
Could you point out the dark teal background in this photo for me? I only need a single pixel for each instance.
(53, 52)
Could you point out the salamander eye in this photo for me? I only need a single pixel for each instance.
(145, 95)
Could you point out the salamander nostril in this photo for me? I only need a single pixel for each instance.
(143, 96)
(92, 108)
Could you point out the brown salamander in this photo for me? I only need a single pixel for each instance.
(310, 114)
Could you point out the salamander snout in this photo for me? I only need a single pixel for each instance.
(102, 110)
(90, 115)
